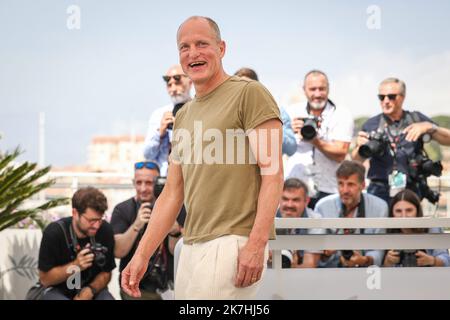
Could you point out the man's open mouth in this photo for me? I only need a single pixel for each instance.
(197, 64)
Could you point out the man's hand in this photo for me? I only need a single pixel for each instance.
(392, 258)
(84, 258)
(297, 125)
(167, 119)
(250, 265)
(357, 260)
(416, 130)
(362, 138)
(424, 259)
(143, 215)
(132, 275)
(84, 294)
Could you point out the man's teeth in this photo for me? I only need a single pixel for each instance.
(194, 64)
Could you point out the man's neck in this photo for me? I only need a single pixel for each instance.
(396, 116)
(351, 209)
(78, 233)
(203, 89)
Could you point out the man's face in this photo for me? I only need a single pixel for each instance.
(391, 107)
(178, 90)
(89, 222)
(200, 52)
(316, 90)
(350, 189)
(293, 203)
(144, 182)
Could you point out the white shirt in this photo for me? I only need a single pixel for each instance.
(308, 163)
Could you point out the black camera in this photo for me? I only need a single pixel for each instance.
(310, 127)
(99, 252)
(176, 108)
(423, 166)
(347, 254)
(375, 146)
(420, 168)
(408, 258)
(160, 182)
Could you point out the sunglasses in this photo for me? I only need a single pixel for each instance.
(176, 77)
(146, 164)
(391, 97)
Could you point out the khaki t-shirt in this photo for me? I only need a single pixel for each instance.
(221, 177)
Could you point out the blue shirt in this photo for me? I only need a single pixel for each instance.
(331, 207)
(289, 143)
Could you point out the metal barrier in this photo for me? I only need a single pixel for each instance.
(355, 283)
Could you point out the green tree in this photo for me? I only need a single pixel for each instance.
(18, 183)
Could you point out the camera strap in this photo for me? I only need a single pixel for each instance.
(69, 244)
(361, 213)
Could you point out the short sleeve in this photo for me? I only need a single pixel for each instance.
(257, 106)
(49, 250)
(118, 222)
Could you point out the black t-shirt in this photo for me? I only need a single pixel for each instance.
(123, 216)
(382, 167)
(54, 251)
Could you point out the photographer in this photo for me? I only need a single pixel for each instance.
(84, 244)
(352, 203)
(129, 221)
(393, 140)
(406, 204)
(157, 143)
(324, 133)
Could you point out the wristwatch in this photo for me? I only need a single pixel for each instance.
(433, 129)
(94, 292)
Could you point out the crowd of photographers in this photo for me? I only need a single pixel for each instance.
(77, 254)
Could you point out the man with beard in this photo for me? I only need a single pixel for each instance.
(157, 143)
(318, 155)
(352, 203)
(69, 265)
(293, 204)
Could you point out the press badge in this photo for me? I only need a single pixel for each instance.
(397, 182)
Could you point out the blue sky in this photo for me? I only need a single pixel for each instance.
(106, 77)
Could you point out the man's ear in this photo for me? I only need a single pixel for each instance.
(222, 48)
(308, 199)
(75, 212)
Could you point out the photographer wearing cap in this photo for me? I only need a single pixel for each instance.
(324, 132)
(76, 254)
(158, 140)
(350, 202)
(394, 142)
(129, 221)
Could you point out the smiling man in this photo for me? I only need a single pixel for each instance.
(230, 207)
(318, 156)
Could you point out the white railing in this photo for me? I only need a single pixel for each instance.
(358, 283)
(355, 283)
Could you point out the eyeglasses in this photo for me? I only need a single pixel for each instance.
(146, 164)
(176, 77)
(93, 221)
(391, 96)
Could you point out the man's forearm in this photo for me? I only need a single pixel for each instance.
(333, 150)
(356, 156)
(268, 199)
(442, 135)
(164, 214)
(125, 241)
(57, 275)
(101, 281)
